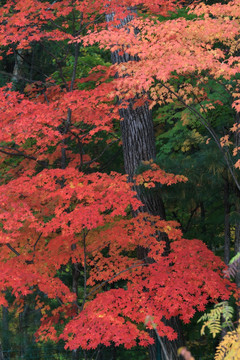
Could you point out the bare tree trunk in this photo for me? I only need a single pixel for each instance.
(23, 322)
(1, 353)
(227, 209)
(139, 145)
(237, 249)
(5, 345)
(17, 78)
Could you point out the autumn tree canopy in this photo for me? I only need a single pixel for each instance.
(58, 205)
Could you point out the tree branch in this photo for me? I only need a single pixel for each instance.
(13, 250)
(113, 277)
(17, 153)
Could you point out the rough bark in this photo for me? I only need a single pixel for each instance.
(139, 145)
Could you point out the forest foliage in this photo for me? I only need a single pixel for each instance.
(72, 224)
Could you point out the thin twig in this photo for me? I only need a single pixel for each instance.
(34, 246)
(113, 277)
(97, 157)
(190, 218)
(16, 76)
(13, 250)
(162, 345)
(17, 153)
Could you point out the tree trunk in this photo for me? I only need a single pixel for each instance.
(23, 325)
(17, 78)
(237, 222)
(5, 345)
(226, 222)
(139, 145)
(237, 249)
(1, 353)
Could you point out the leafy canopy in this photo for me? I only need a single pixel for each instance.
(58, 209)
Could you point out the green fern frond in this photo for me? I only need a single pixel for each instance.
(233, 266)
(213, 319)
(234, 258)
(213, 325)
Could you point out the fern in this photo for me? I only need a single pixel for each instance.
(233, 266)
(229, 347)
(212, 320)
